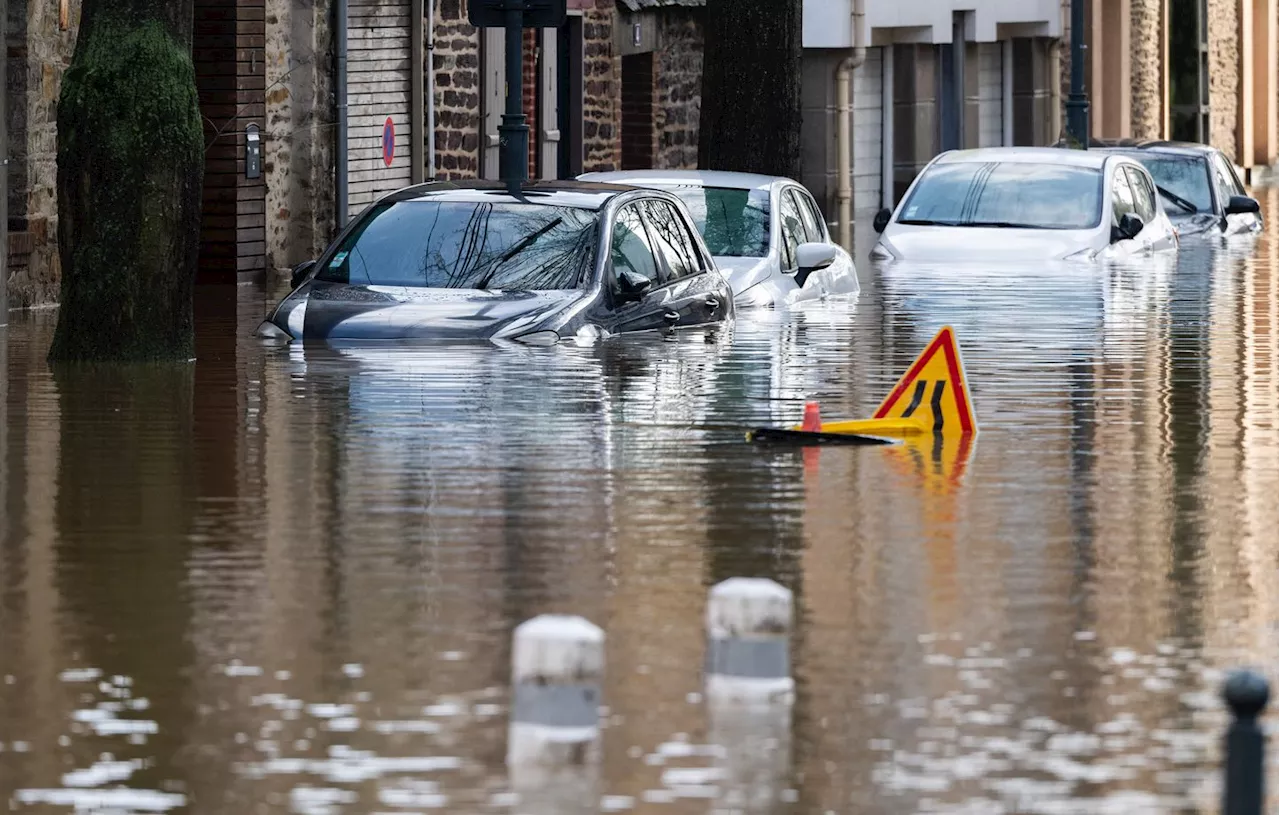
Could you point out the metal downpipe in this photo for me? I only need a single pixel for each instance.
(340, 98)
(844, 125)
(431, 90)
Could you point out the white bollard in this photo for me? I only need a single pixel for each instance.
(749, 641)
(749, 691)
(553, 738)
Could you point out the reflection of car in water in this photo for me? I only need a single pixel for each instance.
(1020, 204)
(767, 234)
(1201, 188)
(474, 261)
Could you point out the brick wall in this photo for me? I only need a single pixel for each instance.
(38, 51)
(679, 89)
(601, 76)
(1146, 52)
(456, 63)
(1224, 74)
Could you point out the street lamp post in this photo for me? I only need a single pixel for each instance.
(1078, 101)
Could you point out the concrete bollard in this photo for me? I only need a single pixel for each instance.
(553, 737)
(749, 641)
(749, 691)
(1246, 694)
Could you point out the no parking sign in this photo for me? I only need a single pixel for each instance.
(388, 142)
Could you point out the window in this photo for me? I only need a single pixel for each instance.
(792, 231)
(460, 245)
(1187, 178)
(1007, 194)
(734, 223)
(1224, 179)
(1144, 198)
(631, 249)
(808, 216)
(672, 240)
(1121, 196)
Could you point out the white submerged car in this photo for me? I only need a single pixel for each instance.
(766, 233)
(1026, 204)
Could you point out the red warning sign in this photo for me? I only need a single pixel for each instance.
(388, 142)
(933, 389)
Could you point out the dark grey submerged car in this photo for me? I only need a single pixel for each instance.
(471, 261)
(1201, 191)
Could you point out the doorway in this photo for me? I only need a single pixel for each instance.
(637, 111)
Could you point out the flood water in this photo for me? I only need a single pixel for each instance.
(285, 580)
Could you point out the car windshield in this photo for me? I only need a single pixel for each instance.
(1006, 194)
(734, 223)
(1185, 177)
(463, 245)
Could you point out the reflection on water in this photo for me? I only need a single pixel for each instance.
(283, 580)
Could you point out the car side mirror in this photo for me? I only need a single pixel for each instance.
(810, 257)
(299, 274)
(1130, 226)
(882, 219)
(633, 284)
(1241, 205)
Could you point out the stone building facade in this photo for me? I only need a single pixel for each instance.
(265, 68)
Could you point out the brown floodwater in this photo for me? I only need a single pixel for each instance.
(285, 580)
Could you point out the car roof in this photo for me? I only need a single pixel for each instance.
(578, 194)
(1027, 155)
(690, 178)
(1153, 145)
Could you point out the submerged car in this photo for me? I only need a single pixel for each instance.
(766, 233)
(1200, 186)
(475, 260)
(1025, 204)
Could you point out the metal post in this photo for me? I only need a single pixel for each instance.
(1078, 101)
(513, 133)
(1246, 693)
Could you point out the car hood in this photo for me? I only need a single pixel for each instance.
(1193, 223)
(941, 243)
(743, 273)
(341, 312)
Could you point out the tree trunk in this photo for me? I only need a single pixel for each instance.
(750, 119)
(130, 171)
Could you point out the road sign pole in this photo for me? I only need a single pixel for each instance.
(513, 133)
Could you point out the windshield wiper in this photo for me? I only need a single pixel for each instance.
(524, 244)
(1177, 199)
(1001, 224)
(925, 222)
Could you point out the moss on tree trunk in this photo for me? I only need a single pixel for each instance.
(130, 171)
(750, 118)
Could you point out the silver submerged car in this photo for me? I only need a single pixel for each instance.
(1025, 204)
(766, 232)
(1201, 189)
(472, 261)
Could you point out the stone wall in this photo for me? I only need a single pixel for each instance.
(1224, 75)
(1146, 48)
(456, 62)
(38, 51)
(679, 88)
(298, 137)
(601, 76)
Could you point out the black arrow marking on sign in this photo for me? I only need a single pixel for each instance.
(936, 404)
(916, 398)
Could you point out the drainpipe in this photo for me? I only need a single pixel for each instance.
(431, 90)
(417, 73)
(340, 98)
(844, 125)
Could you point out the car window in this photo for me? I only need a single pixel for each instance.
(733, 223)
(1121, 196)
(1187, 178)
(672, 240)
(792, 230)
(1021, 194)
(809, 215)
(1225, 180)
(1144, 197)
(462, 245)
(631, 247)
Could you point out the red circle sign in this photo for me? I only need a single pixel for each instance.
(388, 142)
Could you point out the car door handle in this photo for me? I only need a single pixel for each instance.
(671, 317)
(712, 303)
